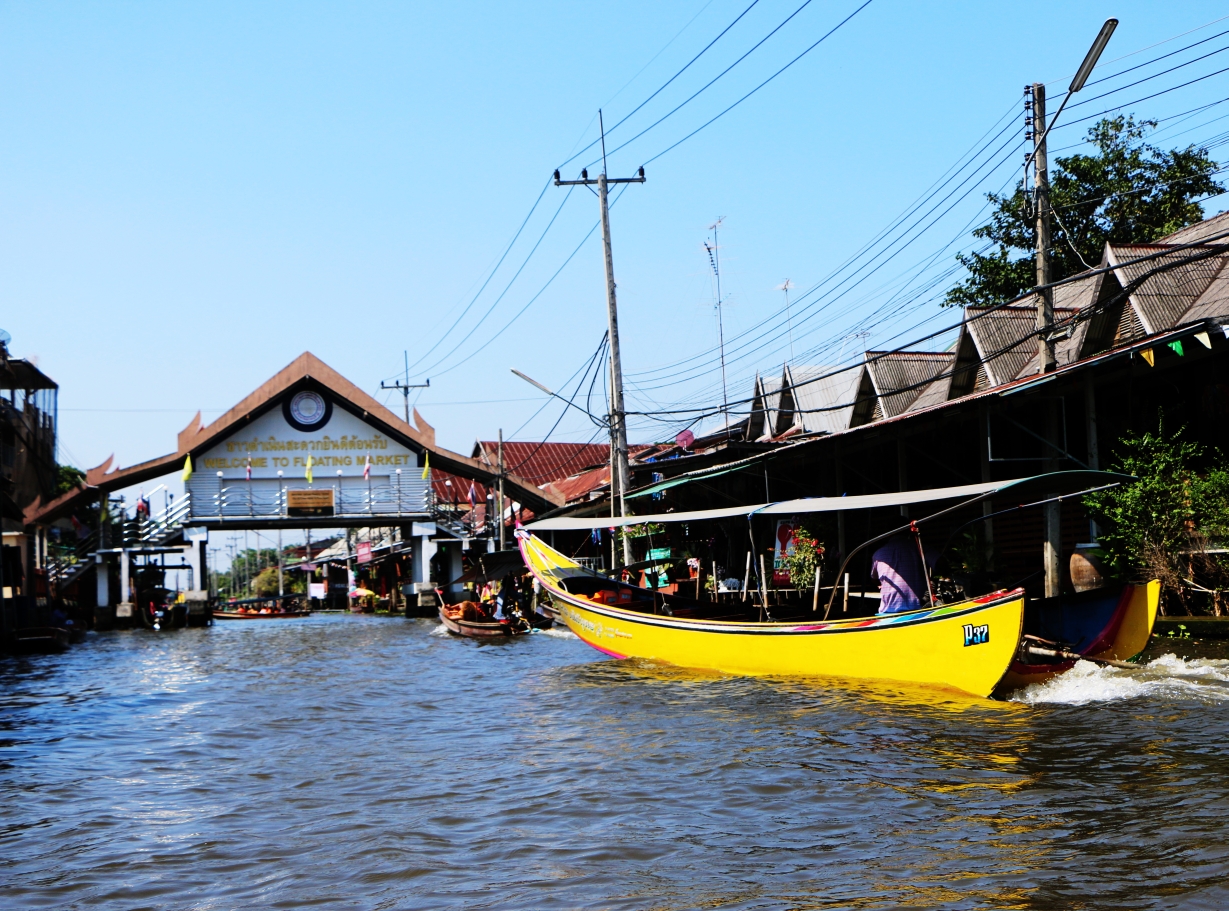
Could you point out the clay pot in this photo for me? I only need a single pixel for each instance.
(1087, 570)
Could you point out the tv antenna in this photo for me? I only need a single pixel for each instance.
(789, 322)
(714, 259)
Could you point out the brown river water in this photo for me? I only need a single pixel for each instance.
(370, 762)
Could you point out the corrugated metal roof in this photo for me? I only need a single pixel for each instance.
(1163, 297)
(1209, 227)
(900, 376)
(821, 405)
(767, 404)
(1214, 301)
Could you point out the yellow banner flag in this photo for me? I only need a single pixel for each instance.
(426, 466)
(187, 468)
(1147, 355)
(308, 473)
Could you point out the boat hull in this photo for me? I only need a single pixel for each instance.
(1114, 625)
(236, 615)
(966, 646)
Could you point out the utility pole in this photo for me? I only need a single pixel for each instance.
(500, 489)
(619, 474)
(1050, 516)
(1041, 201)
(1045, 294)
(406, 386)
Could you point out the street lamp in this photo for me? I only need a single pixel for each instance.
(1077, 83)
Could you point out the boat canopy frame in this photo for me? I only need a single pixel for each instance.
(975, 493)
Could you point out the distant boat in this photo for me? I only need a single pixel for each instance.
(277, 607)
(257, 615)
(41, 640)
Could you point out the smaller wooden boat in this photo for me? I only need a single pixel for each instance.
(470, 620)
(281, 607)
(41, 640)
(258, 615)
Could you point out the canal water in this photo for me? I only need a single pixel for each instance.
(365, 762)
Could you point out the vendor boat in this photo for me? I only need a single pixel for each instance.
(468, 619)
(977, 645)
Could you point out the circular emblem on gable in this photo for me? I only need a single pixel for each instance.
(307, 411)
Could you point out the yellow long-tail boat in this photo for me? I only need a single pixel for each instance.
(976, 645)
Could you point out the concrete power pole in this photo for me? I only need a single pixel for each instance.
(500, 496)
(1045, 302)
(1051, 517)
(1045, 295)
(619, 473)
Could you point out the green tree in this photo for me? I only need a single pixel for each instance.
(1126, 192)
(1159, 525)
(68, 478)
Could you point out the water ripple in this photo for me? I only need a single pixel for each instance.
(373, 763)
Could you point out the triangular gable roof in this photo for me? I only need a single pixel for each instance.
(823, 398)
(900, 376)
(303, 370)
(1162, 299)
(765, 408)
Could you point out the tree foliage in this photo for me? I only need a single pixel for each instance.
(1160, 524)
(68, 478)
(1127, 191)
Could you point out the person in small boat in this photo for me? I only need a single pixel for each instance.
(897, 567)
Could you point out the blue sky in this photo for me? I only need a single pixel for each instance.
(194, 194)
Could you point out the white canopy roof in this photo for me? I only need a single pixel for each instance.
(1072, 480)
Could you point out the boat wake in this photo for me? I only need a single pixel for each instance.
(556, 632)
(1169, 677)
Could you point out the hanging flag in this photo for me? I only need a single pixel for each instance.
(1204, 339)
(308, 474)
(367, 468)
(426, 465)
(1146, 354)
(249, 468)
(1176, 344)
(596, 536)
(187, 467)
(472, 495)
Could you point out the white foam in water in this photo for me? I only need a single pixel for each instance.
(556, 632)
(1167, 676)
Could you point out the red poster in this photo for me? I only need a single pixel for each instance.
(364, 551)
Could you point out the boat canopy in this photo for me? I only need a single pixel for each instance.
(1058, 482)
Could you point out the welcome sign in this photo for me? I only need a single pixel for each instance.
(307, 425)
